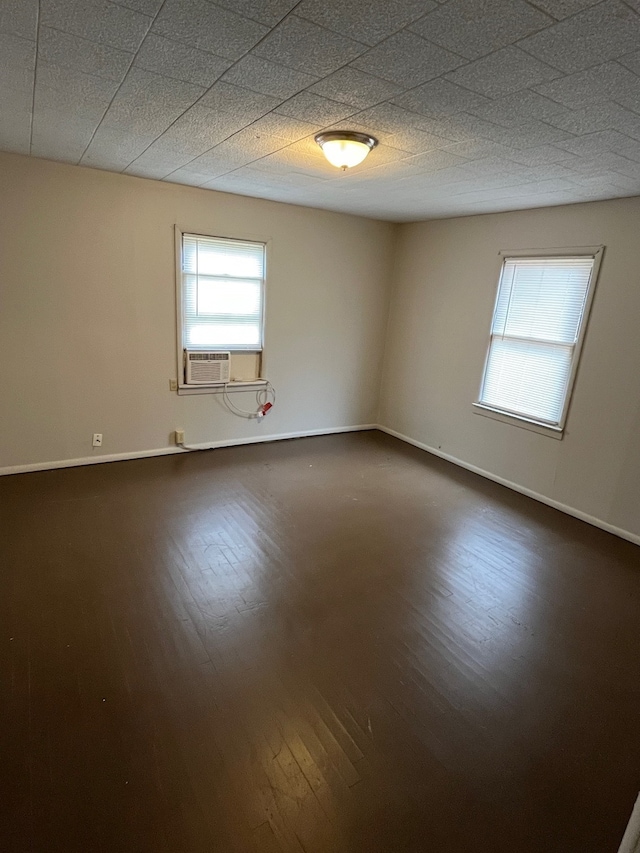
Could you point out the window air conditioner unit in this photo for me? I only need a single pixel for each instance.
(206, 368)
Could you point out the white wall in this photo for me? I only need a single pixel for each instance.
(87, 313)
(445, 284)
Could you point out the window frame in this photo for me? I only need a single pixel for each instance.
(530, 423)
(244, 385)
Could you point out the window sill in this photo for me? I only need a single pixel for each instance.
(514, 420)
(218, 387)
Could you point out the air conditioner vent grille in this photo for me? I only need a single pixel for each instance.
(209, 356)
(207, 368)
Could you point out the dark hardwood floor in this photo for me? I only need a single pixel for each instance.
(323, 645)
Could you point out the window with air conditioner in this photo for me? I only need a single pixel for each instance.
(221, 285)
(537, 331)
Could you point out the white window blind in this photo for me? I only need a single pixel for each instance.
(222, 293)
(537, 322)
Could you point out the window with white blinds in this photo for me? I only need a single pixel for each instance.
(536, 333)
(222, 293)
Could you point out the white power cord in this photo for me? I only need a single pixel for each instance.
(262, 400)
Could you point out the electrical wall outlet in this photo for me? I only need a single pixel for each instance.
(173, 385)
(97, 439)
(179, 436)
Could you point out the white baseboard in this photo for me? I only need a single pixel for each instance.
(165, 451)
(576, 513)
(259, 439)
(631, 840)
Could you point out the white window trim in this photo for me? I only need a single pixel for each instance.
(245, 385)
(552, 431)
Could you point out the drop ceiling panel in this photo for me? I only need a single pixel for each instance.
(69, 51)
(366, 21)
(268, 78)
(268, 12)
(208, 27)
(478, 106)
(17, 62)
(147, 7)
(408, 60)
(560, 9)
(65, 137)
(441, 98)
(180, 61)
(353, 87)
(96, 20)
(504, 72)
(602, 84)
(16, 130)
(237, 104)
(71, 92)
(599, 117)
(19, 18)
(603, 32)
(520, 108)
(473, 29)
(302, 44)
(313, 108)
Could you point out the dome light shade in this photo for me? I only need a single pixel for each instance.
(345, 148)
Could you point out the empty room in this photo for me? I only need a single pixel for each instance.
(320, 426)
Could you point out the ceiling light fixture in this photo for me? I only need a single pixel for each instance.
(345, 148)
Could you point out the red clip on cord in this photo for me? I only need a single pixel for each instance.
(265, 408)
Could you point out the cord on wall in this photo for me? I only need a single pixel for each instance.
(263, 403)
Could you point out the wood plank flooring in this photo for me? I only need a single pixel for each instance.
(328, 645)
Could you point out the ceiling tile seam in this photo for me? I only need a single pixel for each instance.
(115, 94)
(171, 76)
(288, 145)
(88, 40)
(465, 60)
(538, 86)
(597, 133)
(628, 109)
(409, 156)
(578, 12)
(264, 156)
(542, 122)
(255, 20)
(387, 100)
(635, 163)
(552, 22)
(629, 6)
(550, 14)
(217, 80)
(569, 134)
(129, 8)
(369, 46)
(289, 13)
(331, 124)
(518, 43)
(226, 139)
(271, 62)
(561, 71)
(35, 77)
(629, 71)
(190, 44)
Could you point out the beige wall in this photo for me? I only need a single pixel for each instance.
(87, 329)
(445, 284)
(87, 313)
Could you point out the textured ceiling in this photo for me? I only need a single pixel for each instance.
(479, 105)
